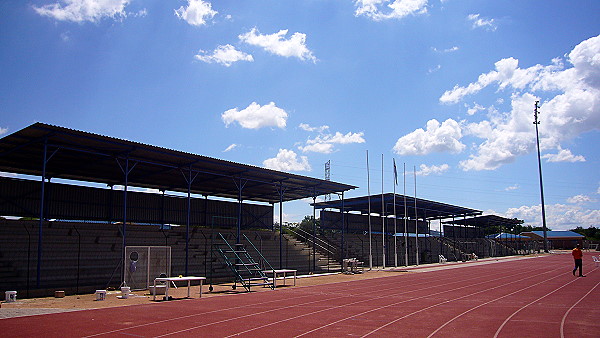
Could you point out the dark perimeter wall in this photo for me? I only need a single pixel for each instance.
(68, 202)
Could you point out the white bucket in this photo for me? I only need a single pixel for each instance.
(125, 291)
(10, 296)
(100, 294)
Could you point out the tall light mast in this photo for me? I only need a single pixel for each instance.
(537, 138)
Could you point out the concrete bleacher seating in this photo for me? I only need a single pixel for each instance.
(87, 256)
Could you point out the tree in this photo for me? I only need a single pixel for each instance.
(591, 233)
(306, 228)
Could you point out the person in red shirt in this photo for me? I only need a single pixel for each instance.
(578, 256)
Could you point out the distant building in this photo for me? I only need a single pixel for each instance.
(557, 239)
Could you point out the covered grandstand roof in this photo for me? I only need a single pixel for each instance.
(553, 234)
(426, 209)
(487, 221)
(78, 155)
(507, 236)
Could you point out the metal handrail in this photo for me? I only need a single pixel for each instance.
(304, 232)
(258, 252)
(235, 253)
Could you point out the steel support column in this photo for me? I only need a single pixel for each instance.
(189, 180)
(314, 236)
(42, 198)
(280, 191)
(343, 228)
(126, 170)
(45, 160)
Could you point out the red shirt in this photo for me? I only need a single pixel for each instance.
(577, 254)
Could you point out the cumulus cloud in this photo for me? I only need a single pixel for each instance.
(225, 55)
(558, 216)
(425, 170)
(571, 107)
(379, 10)
(579, 199)
(479, 22)
(3, 130)
(196, 13)
(256, 116)
(307, 127)
(472, 110)
(230, 148)
(84, 10)
(563, 155)
(287, 160)
(444, 137)
(512, 187)
(277, 44)
(325, 143)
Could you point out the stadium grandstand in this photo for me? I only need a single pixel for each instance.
(84, 211)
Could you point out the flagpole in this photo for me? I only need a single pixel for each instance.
(382, 217)
(395, 217)
(405, 221)
(369, 199)
(416, 216)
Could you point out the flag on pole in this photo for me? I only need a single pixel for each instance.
(395, 172)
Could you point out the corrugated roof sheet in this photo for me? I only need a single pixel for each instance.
(426, 209)
(83, 156)
(557, 234)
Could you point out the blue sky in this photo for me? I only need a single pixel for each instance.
(445, 87)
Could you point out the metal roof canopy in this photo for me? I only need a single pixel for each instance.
(426, 209)
(83, 156)
(487, 221)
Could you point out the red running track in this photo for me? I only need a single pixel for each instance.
(527, 298)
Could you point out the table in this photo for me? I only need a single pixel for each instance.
(168, 281)
(283, 272)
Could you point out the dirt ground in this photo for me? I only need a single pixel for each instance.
(33, 306)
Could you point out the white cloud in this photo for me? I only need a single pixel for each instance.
(479, 22)
(579, 199)
(474, 109)
(225, 55)
(434, 69)
(276, 43)
(256, 116)
(287, 160)
(84, 10)
(3, 130)
(230, 148)
(425, 170)
(507, 74)
(572, 107)
(563, 155)
(444, 137)
(447, 50)
(512, 187)
(140, 14)
(397, 9)
(307, 127)
(558, 216)
(196, 13)
(324, 144)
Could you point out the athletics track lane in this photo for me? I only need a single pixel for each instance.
(527, 297)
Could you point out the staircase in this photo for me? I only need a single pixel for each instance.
(246, 271)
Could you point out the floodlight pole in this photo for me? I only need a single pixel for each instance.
(537, 138)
